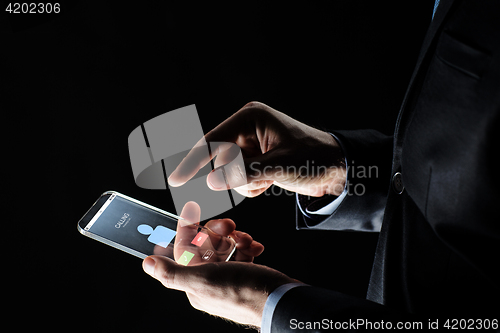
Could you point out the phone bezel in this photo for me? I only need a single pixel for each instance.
(81, 228)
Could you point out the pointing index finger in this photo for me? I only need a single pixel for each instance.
(220, 139)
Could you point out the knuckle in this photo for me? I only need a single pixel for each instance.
(252, 104)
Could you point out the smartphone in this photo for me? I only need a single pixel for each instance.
(142, 230)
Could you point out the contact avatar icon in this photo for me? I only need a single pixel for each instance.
(160, 235)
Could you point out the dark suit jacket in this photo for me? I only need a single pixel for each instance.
(438, 252)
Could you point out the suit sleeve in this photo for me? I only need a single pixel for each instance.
(369, 159)
(312, 309)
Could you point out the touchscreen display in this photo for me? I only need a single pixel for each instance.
(120, 222)
(133, 225)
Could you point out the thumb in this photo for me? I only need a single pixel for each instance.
(167, 271)
(190, 212)
(243, 171)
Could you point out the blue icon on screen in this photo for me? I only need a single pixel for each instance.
(160, 236)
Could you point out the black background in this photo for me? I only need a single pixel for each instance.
(75, 84)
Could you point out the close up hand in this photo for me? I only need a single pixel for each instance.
(276, 149)
(234, 290)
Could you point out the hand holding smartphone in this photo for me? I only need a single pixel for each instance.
(142, 230)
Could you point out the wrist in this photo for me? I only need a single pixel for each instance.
(335, 177)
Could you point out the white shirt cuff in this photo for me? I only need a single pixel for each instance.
(331, 207)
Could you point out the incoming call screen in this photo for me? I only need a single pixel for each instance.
(132, 225)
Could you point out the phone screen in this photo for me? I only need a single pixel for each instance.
(142, 230)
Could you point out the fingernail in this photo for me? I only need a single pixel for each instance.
(217, 180)
(172, 182)
(149, 266)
